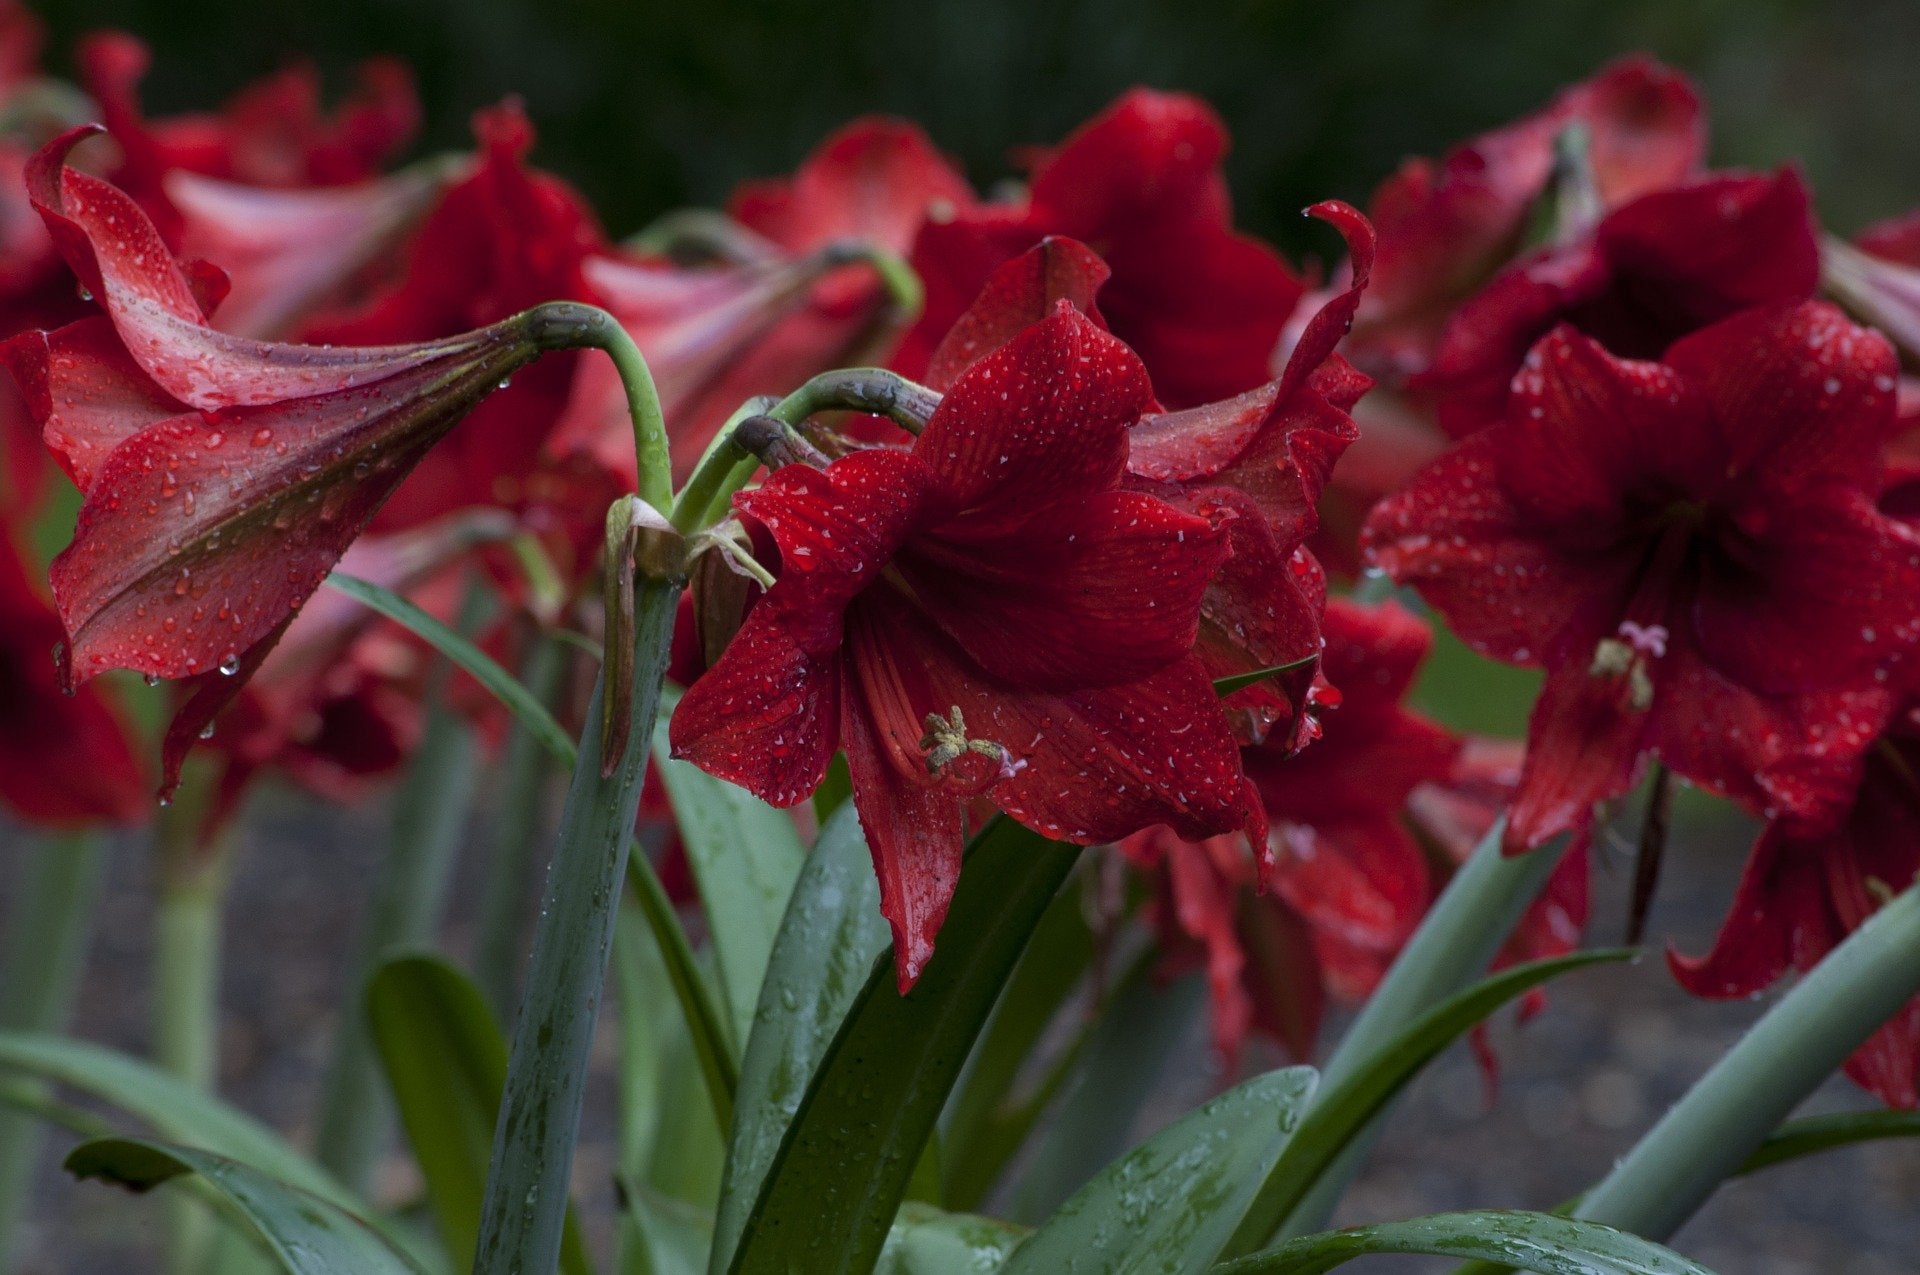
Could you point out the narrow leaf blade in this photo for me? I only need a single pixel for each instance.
(1540, 1242)
(307, 1234)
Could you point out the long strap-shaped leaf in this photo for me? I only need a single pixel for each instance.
(309, 1235)
(1344, 1108)
(1170, 1204)
(176, 1109)
(828, 945)
(843, 1168)
(1541, 1242)
(446, 1061)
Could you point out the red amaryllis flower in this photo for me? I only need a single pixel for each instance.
(787, 305)
(64, 760)
(985, 615)
(1690, 548)
(222, 477)
(1141, 185)
(1651, 271)
(505, 238)
(1807, 886)
(1446, 226)
(1367, 823)
(273, 133)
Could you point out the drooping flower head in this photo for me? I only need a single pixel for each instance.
(788, 300)
(1691, 550)
(222, 477)
(1140, 184)
(986, 615)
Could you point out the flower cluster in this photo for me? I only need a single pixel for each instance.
(1608, 412)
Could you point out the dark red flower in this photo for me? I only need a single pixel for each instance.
(985, 615)
(273, 133)
(1807, 886)
(1651, 271)
(1446, 226)
(64, 760)
(1367, 823)
(1141, 185)
(792, 302)
(505, 238)
(1690, 548)
(222, 477)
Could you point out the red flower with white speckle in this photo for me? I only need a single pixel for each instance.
(986, 615)
(1690, 548)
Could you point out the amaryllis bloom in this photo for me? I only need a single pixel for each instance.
(1446, 226)
(985, 615)
(1648, 273)
(1141, 185)
(222, 477)
(64, 760)
(503, 239)
(1690, 549)
(1367, 823)
(1807, 886)
(790, 300)
(273, 133)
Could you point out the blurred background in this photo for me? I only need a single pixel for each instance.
(653, 105)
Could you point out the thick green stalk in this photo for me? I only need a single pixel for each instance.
(191, 880)
(539, 1121)
(409, 894)
(48, 930)
(519, 825)
(1732, 1109)
(1455, 942)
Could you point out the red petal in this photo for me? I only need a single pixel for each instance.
(1779, 921)
(1019, 294)
(1104, 588)
(1459, 537)
(1045, 414)
(766, 716)
(1802, 395)
(104, 398)
(916, 834)
(1583, 746)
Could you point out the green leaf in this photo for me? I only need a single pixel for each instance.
(1225, 686)
(927, 1241)
(986, 1121)
(174, 1108)
(1169, 1205)
(665, 1236)
(706, 1028)
(1345, 1107)
(1538, 1242)
(500, 683)
(1814, 1134)
(832, 938)
(839, 1176)
(446, 1061)
(1141, 1030)
(309, 1235)
(745, 856)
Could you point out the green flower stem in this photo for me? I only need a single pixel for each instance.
(526, 1197)
(860, 389)
(1455, 942)
(1732, 1109)
(403, 911)
(48, 929)
(568, 325)
(906, 295)
(519, 825)
(191, 885)
(712, 480)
